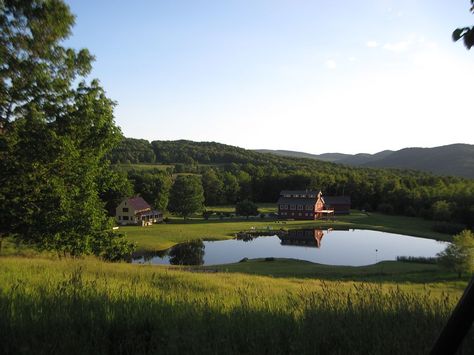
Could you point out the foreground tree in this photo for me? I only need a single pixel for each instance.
(459, 255)
(56, 136)
(466, 33)
(186, 196)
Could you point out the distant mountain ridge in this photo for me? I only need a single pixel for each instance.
(454, 159)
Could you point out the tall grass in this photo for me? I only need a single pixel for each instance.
(92, 307)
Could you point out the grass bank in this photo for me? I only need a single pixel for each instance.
(417, 275)
(87, 306)
(163, 236)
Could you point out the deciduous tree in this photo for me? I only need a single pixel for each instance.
(57, 134)
(459, 255)
(186, 196)
(246, 208)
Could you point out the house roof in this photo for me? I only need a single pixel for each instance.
(297, 201)
(138, 203)
(337, 200)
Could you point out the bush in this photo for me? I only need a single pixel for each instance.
(448, 228)
(417, 259)
(410, 211)
(207, 214)
(385, 208)
(246, 208)
(459, 255)
(112, 246)
(441, 211)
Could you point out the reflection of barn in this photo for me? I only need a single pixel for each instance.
(303, 237)
(298, 204)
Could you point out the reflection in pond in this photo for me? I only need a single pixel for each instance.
(190, 253)
(340, 247)
(304, 237)
(147, 255)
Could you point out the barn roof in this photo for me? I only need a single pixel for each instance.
(297, 201)
(138, 203)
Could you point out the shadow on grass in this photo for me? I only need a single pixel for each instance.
(74, 316)
(386, 271)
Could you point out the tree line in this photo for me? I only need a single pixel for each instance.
(260, 178)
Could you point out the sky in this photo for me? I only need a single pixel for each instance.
(316, 76)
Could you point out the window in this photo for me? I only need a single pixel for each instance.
(300, 207)
(299, 214)
(125, 218)
(293, 207)
(283, 207)
(309, 207)
(125, 209)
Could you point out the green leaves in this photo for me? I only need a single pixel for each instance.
(187, 195)
(57, 137)
(466, 33)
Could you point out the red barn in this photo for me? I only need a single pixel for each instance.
(305, 204)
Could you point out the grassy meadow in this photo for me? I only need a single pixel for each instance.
(279, 306)
(88, 306)
(177, 230)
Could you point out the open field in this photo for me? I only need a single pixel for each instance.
(262, 208)
(163, 236)
(143, 166)
(87, 306)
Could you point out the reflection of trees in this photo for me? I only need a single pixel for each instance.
(191, 253)
(147, 255)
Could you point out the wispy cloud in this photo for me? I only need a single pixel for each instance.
(372, 44)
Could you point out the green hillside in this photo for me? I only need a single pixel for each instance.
(449, 160)
(455, 159)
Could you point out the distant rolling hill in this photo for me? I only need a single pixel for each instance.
(454, 159)
(331, 157)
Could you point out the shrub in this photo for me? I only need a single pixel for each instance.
(385, 208)
(448, 228)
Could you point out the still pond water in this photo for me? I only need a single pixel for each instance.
(330, 247)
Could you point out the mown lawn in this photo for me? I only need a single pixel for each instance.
(177, 230)
(88, 306)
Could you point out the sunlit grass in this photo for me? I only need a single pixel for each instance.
(87, 306)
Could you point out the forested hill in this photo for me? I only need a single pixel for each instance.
(454, 159)
(188, 152)
(230, 174)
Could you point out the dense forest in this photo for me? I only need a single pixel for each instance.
(230, 174)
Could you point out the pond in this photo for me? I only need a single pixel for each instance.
(331, 247)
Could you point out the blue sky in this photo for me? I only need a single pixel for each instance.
(313, 76)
